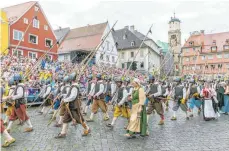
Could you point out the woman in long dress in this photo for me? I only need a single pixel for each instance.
(225, 108)
(209, 102)
(137, 123)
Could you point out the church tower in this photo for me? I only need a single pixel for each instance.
(174, 40)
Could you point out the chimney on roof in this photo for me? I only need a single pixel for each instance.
(132, 28)
(126, 27)
(202, 31)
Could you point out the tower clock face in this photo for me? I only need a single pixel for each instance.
(173, 40)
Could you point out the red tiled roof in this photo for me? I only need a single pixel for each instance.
(220, 39)
(83, 38)
(197, 39)
(206, 40)
(16, 11)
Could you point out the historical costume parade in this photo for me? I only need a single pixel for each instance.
(73, 94)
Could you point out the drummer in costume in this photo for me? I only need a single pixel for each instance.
(97, 91)
(194, 97)
(19, 111)
(180, 101)
(120, 101)
(153, 92)
(73, 111)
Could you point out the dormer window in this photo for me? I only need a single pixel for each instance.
(214, 42)
(226, 47)
(227, 41)
(214, 48)
(124, 36)
(132, 44)
(191, 43)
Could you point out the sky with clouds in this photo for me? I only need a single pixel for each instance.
(211, 16)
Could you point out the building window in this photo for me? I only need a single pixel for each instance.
(48, 42)
(101, 56)
(141, 53)
(213, 48)
(187, 59)
(131, 54)
(33, 39)
(17, 52)
(214, 42)
(113, 59)
(203, 57)
(212, 67)
(45, 27)
(185, 49)
(191, 43)
(123, 65)
(36, 8)
(220, 66)
(210, 57)
(124, 36)
(226, 56)
(107, 57)
(18, 35)
(66, 57)
(142, 65)
(32, 55)
(226, 47)
(219, 56)
(112, 48)
(123, 55)
(132, 44)
(26, 21)
(35, 23)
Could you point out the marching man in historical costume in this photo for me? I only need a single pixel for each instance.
(64, 91)
(45, 96)
(209, 102)
(107, 89)
(180, 101)
(8, 139)
(129, 89)
(120, 101)
(138, 118)
(19, 111)
(97, 91)
(194, 97)
(10, 107)
(89, 98)
(154, 91)
(73, 112)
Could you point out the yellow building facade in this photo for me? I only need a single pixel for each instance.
(4, 36)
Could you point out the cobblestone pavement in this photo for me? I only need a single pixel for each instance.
(182, 135)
